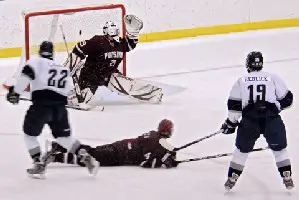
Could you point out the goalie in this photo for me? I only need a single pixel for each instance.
(150, 150)
(94, 63)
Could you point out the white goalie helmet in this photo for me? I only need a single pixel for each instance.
(111, 29)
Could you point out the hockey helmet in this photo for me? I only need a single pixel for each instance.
(46, 49)
(254, 61)
(165, 128)
(111, 29)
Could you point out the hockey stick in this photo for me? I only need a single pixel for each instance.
(67, 106)
(75, 78)
(216, 156)
(196, 141)
(64, 39)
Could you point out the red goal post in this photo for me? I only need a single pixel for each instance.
(80, 23)
(97, 15)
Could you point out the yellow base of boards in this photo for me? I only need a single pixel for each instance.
(177, 34)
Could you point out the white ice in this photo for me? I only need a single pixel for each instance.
(197, 108)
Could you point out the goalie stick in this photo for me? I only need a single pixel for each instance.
(68, 106)
(75, 78)
(196, 141)
(216, 156)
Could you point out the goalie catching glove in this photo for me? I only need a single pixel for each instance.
(133, 26)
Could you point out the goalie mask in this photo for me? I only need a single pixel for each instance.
(111, 29)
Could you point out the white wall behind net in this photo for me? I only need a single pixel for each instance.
(77, 26)
(158, 15)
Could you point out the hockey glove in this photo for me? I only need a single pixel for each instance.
(157, 161)
(133, 26)
(12, 96)
(228, 127)
(168, 159)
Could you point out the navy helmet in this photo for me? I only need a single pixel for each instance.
(254, 61)
(46, 50)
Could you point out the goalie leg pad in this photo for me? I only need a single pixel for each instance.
(87, 95)
(72, 98)
(74, 63)
(136, 89)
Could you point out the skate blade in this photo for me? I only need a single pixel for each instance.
(37, 176)
(290, 187)
(227, 188)
(95, 170)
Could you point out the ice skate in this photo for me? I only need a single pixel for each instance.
(91, 164)
(231, 181)
(52, 148)
(287, 180)
(37, 171)
(157, 95)
(48, 157)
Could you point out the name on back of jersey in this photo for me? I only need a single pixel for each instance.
(257, 78)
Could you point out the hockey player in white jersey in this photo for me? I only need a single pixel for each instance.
(258, 97)
(49, 83)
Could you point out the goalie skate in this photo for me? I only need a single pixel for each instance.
(74, 104)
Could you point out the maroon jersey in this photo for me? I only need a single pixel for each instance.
(135, 151)
(103, 57)
(149, 150)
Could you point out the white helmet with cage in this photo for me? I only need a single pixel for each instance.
(111, 29)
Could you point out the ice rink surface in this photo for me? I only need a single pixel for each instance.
(198, 108)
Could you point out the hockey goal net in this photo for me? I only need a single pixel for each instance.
(80, 23)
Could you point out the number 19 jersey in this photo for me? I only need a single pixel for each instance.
(253, 87)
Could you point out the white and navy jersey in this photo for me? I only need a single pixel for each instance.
(49, 81)
(258, 86)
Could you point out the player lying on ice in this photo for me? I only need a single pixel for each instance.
(95, 63)
(149, 150)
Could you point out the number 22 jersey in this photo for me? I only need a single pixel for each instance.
(49, 82)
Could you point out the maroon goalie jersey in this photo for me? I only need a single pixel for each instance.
(137, 150)
(103, 57)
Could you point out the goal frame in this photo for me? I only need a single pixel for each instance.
(28, 15)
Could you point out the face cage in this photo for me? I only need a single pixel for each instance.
(112, 31)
